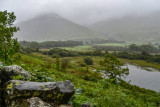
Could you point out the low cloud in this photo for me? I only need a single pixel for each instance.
(80, 11)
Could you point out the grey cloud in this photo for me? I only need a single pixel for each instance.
(80, 11)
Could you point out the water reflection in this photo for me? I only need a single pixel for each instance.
(144, 78)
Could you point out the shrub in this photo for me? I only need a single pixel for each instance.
(112, 67)
(88, 60)
(64, 64)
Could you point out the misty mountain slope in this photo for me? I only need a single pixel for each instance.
(134, 29)
(52, 27)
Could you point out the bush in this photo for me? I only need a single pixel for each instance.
(88, 60)
(112, 68)
(64, 64)
(61, 52)
(55, 56)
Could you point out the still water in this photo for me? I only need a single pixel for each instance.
(144, 78)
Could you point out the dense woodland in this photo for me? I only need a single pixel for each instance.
(131, 48)
(132, 52)
(96, 41)
(50, 44)
(69, 43)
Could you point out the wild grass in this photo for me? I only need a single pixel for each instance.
(95, 90)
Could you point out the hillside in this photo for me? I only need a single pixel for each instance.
(51, 27)
(89, 85)
(129, 28)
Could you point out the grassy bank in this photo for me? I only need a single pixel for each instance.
(142, 63)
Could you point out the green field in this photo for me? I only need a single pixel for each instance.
(79, 48)
(114, 44)
(89, 47)
(75, 48)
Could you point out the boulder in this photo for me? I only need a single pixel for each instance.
(37, 102)
(16, 92)
(7, 73)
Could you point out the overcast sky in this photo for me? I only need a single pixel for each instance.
(80, 11)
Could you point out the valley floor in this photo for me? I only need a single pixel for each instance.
(90, 87)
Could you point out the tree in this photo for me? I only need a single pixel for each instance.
(134, 47)
(8, 45)
(112, 67)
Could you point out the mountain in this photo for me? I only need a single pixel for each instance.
(131, 28)
(50, 27)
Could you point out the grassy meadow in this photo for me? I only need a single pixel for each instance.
(90, 86)
(115, 44)
(79, 48)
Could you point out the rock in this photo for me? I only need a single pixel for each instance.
(16, 92)
(86, 105)
(36, 102)
(7, 73)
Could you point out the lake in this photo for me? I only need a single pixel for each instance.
(144, 78)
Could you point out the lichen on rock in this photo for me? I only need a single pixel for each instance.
(7, 73)
(37, 102)
(18, 93)
(9, 86)
(57, 93)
